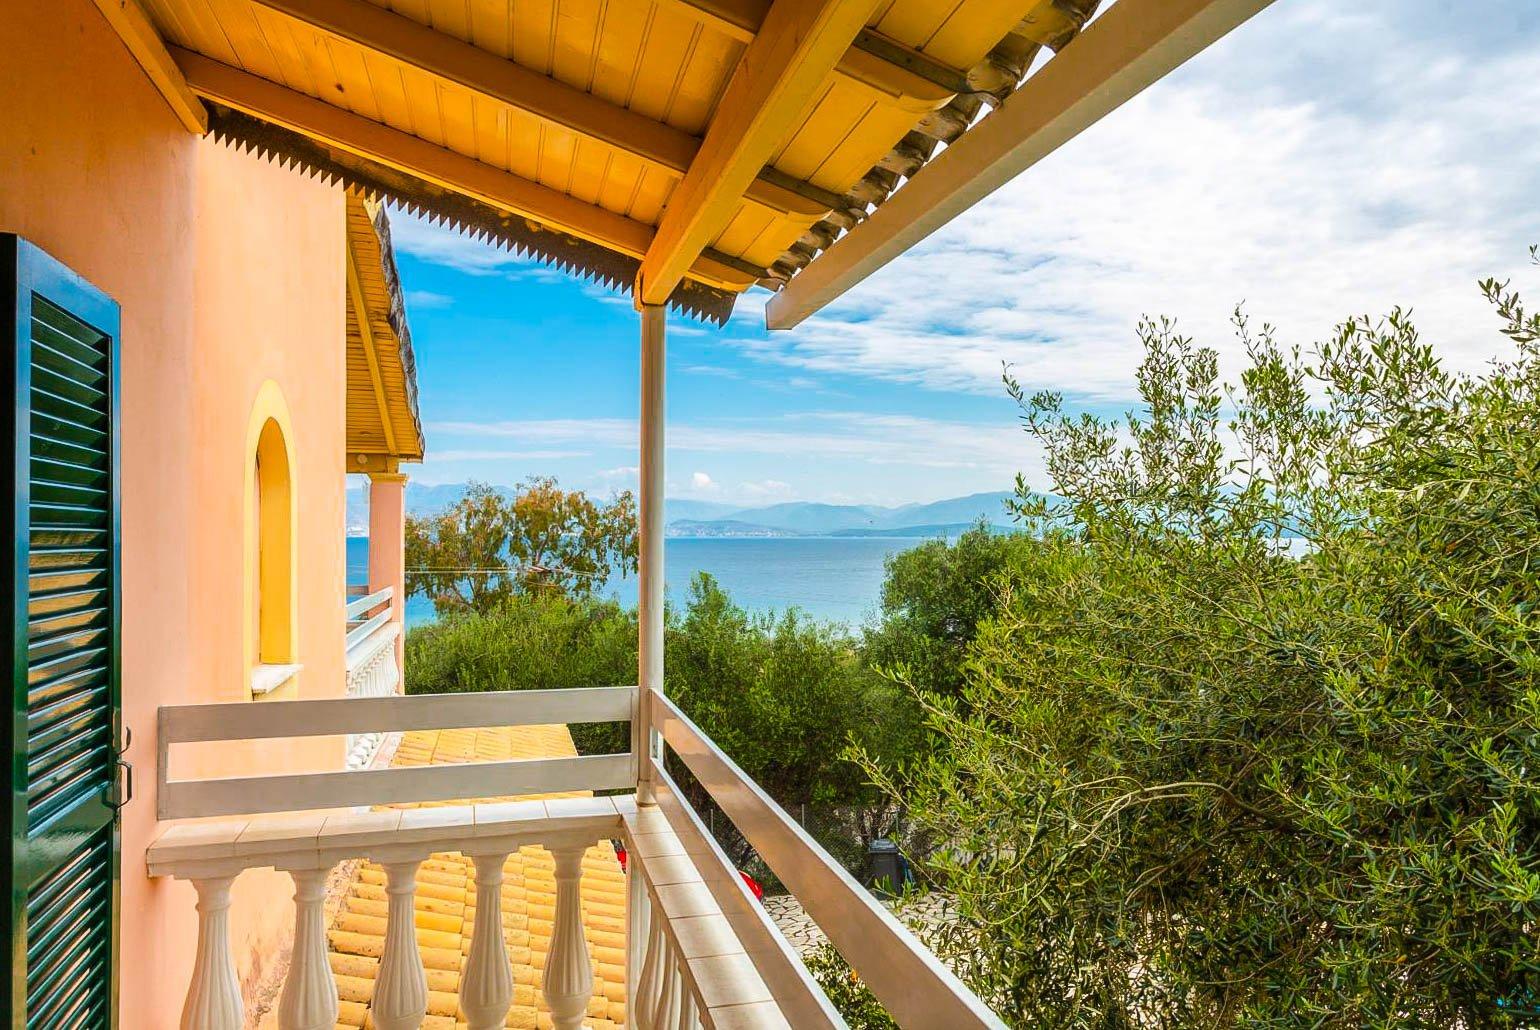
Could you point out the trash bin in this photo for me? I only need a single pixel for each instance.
(884, 867)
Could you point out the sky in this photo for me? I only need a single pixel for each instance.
(1324, 160)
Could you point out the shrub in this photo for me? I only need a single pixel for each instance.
(1251, 737)
(530, 642)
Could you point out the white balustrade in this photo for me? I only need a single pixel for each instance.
(569, 978)
(309, 999)
(486, 984)
(214, 996)
(212, 855)
(372, 671)
(701, 952)
(401, 987)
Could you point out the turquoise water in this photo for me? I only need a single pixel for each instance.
(835, 578)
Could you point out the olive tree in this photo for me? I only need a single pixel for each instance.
(1251, 736)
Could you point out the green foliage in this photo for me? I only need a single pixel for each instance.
(846, 991)
(530, 642)
(542, 540)
(1251, 737)
(783, 696)
(934, 597)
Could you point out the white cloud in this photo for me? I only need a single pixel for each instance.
(997, 449)
(700, 482)
(497, 455)
(1315, 165)
(421, 299)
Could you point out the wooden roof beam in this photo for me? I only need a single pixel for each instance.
(1116, 57)
(779, 74)
(371, 356)
(504, 82)
(138, 33)
(321, 121)
(912, 80)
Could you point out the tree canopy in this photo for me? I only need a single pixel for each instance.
(489, 545)
(1249, 738)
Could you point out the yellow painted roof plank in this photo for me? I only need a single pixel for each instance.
(617, 99)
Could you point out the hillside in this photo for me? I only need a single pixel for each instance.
(687, 517)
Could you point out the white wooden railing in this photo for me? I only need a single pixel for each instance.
(366, 615)
(372, 667)
(701, 951)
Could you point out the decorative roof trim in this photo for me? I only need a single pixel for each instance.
(522, 236)
(396, 316)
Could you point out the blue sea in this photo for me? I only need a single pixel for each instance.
(832, 578)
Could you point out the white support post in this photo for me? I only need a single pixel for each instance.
(569, 977)
(309, 999)
(645, 740)
(401, 991)
(486, 988)
(214, 996)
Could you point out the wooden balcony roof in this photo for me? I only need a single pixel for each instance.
(688, 149)
(383, 424)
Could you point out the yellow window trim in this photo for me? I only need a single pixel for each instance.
(271, 561)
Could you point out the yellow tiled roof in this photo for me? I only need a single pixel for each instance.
(446, 902)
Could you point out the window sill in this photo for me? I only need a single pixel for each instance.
(267, 678)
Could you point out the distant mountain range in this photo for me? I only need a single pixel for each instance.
(692, 518)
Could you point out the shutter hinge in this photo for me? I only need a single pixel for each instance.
(122, 791)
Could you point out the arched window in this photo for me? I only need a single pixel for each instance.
(271, 623)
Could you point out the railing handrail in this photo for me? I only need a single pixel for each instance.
(368, 601)
(241, 720)
(910, 982)
(798, 996)
(364, 630)
(294, 792)
(356, 654)
(304, 792)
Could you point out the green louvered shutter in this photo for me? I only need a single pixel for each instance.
(61, 538)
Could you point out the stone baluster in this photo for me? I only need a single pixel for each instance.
(670, 996)
(569, 978)
(638, 927)
(214, 996)
(688, 1019)
(486, 985)
(309, 999)
(649, 983)
(401, 989)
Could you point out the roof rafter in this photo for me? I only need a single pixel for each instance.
(1115, 58)
(502, 81)
(914, 80)
(797, 47)
(321, 121)
(371, 356)
(138, 33)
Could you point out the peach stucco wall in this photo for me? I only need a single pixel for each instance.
(230, 273)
